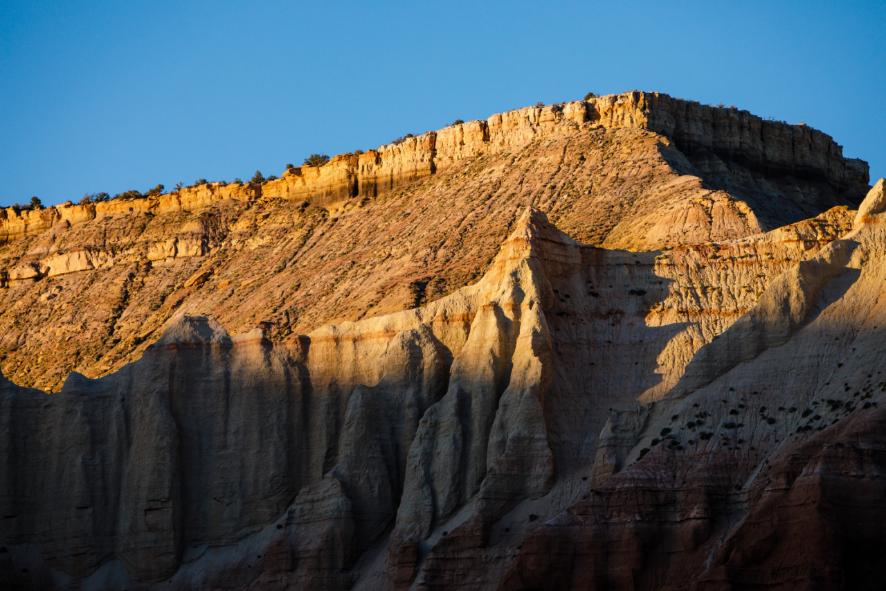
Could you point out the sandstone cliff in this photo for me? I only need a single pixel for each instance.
(86, 288)
(565, 365)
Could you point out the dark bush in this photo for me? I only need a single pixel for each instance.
(590, 96)
(36, 203)
(156, 191)
(99, 197)
(200, 181)
(86, 199)
(258, 178)
(316, 160)
(458, 122)
(402, 139)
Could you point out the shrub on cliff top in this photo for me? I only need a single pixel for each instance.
(402, 139)
(36, 203)
(86, 199)
(131, 194)
(316, 160)
(258, 178)
(156, 191)
(458, 122)
(590, 96)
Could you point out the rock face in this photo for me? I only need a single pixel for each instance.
(87, 288)
(624, 343)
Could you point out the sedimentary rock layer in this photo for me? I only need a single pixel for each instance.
(87, 288)
(577, 417)
(622, 343)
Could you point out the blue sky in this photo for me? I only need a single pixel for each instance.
(108, 95)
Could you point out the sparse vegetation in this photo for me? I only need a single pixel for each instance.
(316, 160)
(458, 122)
(130, 194)
(155, 191)
(36, 203)
(590, 96)
(257, 179)
(402, 139)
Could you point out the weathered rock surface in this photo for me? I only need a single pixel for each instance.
(87, 288)
(647, 384)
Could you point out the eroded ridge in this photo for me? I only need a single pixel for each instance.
(87, 288)
(541, 426)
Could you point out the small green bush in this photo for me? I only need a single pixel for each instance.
(458, 122)
(258, 178)
(316, 160)
(36, 203)
(402, 139)
(130, 194)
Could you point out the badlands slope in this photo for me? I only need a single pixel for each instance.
(623, 343)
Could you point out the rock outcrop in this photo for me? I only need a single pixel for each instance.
(579, 358)
(637, 171)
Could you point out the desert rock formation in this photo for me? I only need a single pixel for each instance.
(637, 171)
(622, 343)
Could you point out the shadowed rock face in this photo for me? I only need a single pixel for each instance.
(580, 415)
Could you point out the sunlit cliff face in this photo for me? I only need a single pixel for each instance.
(555, 400)
(88, 288)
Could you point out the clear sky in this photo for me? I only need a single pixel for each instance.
(112, 95)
